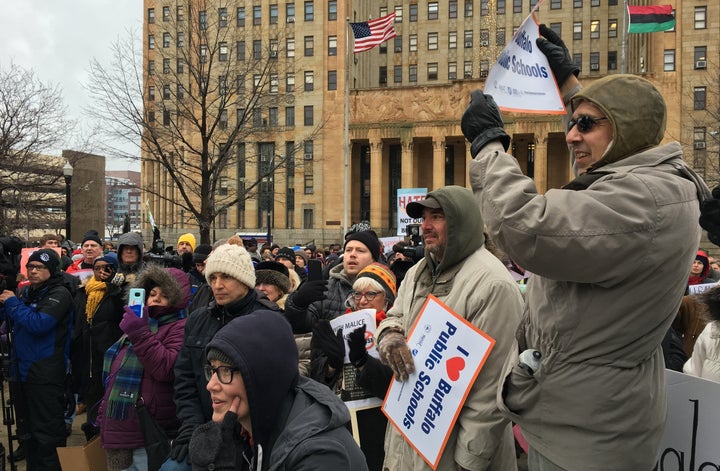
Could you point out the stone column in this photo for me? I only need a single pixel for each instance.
(541, 167)
(438, 180)
(407, 179)
(376, 183)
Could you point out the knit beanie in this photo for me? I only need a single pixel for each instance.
(93, 235)
(273, 273)
(384, 276)
(233, 260)
(302, 254)
(47, 257)
(219, 355)
(369, 240)
(189, 238)
(110, 258)
(286, 252)
(201, 253)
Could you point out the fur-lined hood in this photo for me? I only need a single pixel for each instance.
(711, 299)
(174, 283)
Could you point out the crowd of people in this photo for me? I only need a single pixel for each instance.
(236, 355)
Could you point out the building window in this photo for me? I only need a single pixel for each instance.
(151, 116)
(274, 83)
(500, 37)
(382, 75)
(468, 39)
(180, 13)
(308, 213)
(151, 41)
(594, 3)
(273, 116)
(151, 15)
(290, 82)
(468, 8)
(223, 51)
(309, 11)
(612, 60)
(412, 73)
(577, 30)
(452, 70)
(432, 71)
(594, 61)
(398, 13)
(557, 28)
(257, 15)
(308, 115)
(257, 117)
(257, 49)
(240, 46)
(180, 66)
(202, 20)
(241, 16)
(699, 138)
(222, 17)
(180, 39)
(452, 9)
(413, 42)
(240, 116)
(577, 60)
(484, 68)
(309, 46)
(166, 92)
(332, 80)
(309, 81)
(452, 40)
(274, 13)
(166, 117)
(223, 119)
(701, 17)
(166, 66)
(290, 116)
(595, 29)
(467, 70)
(180, 91)
(332, 45)
(151, 93)
(151, 67)
(203, 53)
(612, 28)
(290, 47)
(484, 38)
(290, 12)
(484, 8)
(500, 7)
(432, 41)
(413, 12)
(257, 80)
(554, 5)
(397, 74)
(577, 3)
(700, 56)
(397, 43)
(669, 60)
(332, 10)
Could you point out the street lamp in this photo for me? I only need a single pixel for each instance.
(68, 174)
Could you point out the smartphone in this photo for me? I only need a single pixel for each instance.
(136, 301)
(315, 270)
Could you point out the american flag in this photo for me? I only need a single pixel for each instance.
(371, 33)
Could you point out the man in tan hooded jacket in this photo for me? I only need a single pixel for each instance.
(597, 398)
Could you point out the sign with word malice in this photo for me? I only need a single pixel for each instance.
(449, 353)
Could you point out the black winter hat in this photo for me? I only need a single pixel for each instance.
(93, 235)
(286, 252)
(273, 273)
(201, 253)
(47, 257)
(369, 239)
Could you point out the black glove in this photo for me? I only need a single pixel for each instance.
(309, 292)
(710, 216)
(356, 347)
(557, 55)
(179, 450)
(481, 123)
(330, 343)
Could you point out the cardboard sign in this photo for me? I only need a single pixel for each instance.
(521, 80)
(406, 196)
(693, 424)
(449, 353)
(353, 395)
(697, 289)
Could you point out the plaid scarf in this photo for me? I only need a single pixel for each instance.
(125, 391)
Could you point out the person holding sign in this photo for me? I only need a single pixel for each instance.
(595, 397)
(460, 271)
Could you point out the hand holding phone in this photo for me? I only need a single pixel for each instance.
(136, 301)
(315, 270)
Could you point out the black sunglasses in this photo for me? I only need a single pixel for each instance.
(584, 123)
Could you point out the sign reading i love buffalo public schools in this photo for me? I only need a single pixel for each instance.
(449, 353)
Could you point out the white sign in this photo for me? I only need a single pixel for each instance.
(354, 396)
(406, 196)
(693, 424)
(449, 352)
(521, 80)
(697, 289)
(388, 243)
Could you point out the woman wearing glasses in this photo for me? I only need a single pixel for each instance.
(138, 368)
(98, 311)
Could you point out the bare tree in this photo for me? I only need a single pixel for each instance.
(200, 98)
(32, 121)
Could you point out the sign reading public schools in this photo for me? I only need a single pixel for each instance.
(449, 353)
(521, 80)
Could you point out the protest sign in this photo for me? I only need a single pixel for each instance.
(692, 427)
(355, 396)
(25, 255)
(449, 353)
(406, 196)
(697, 289)
(521, 80)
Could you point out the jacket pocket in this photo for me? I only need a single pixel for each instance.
(520, 392)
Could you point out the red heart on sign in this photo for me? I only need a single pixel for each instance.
(454, 366)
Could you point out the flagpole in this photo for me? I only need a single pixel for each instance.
(623, 46)
(347, 126)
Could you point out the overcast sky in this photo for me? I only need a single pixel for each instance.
(58, 38)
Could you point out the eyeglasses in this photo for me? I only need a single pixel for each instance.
(369, 295)
(105, 268)
(224, 373)
(584, 123)
(35, 267)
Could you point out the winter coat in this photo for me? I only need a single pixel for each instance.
(598, 401)
(157, 352)
(690, 321)
(41, 324)
(191, 397)
(705, 360)
(476, 285)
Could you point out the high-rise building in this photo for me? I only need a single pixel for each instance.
(123, 202)
(405, 99)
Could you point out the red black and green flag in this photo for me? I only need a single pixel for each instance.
(650, 19)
